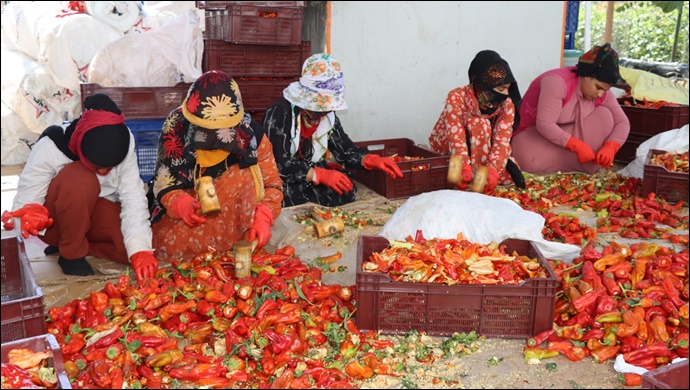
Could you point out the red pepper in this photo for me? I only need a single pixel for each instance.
(585, 300)
(540, 338)
(593, 334)
(658, 325)
(605, 353)
(656, 349)
(672, 293)
(610, 283)
(629, 344)
(17, 377)
(568, 349)
(582, 318)
(679, 344)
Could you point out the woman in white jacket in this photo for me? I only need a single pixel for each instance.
(81, 194)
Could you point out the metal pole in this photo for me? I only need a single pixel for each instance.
(588, 26)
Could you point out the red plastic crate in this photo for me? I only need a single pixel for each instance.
(628, 151)
(255, 60)
(671, 376)
(427, 174)
(506, 311)
(259, 93)
(223, 4)
(652, 121)
(254, 24)
(22, 299)
(141, 102)
(672, 186)
(42, 343)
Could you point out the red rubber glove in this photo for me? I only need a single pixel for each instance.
(261, 228)
(144, 264)
(606, 153)
(34, 218)
(385, 164)
(184, 207)
(491, 180)
(336, 180)
(584, 152)
(466, 174)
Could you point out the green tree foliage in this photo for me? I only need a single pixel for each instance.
(642, 30)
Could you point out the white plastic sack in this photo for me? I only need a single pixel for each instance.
(69, 44)
(30, 91)
(121, 15)
(21, 22)
(17, 139)
(481, 218)
(150, 19)
(163, 57)
(670, 141)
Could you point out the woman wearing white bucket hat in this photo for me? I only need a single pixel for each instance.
(303, 128)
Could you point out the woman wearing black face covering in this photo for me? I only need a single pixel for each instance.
(478, 121)
(80, 193)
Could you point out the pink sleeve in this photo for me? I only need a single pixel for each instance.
(551, 96)
(621, 123)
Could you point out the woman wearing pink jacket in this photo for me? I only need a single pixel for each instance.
(570, 122)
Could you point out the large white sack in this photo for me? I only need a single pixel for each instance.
(68, 45)
(121, 15)
(481, 218)
(163, 57)
(151, 18)
(17, 140)
(676, 140)
(21, 22)
(30, 91)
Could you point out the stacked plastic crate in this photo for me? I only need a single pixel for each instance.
(258, 43)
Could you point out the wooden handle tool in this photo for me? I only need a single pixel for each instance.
(480, 178)
(454, 169)
(243, 258)
(326, 227)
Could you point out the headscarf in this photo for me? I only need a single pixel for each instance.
(321, 87)
(600, 62)
(487, 71)
(214, 108)
(100, 136)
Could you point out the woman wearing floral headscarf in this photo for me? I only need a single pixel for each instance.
(478, 120)
(211, 135)
(570, 121)
(303, 128)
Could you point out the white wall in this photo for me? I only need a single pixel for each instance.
(401, 58)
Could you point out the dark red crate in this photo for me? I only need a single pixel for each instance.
(652, 121)
(671, 376)
(427, 174)
(255, 60)
(42, 343)
(628, 151)
(141, 102)
(22, 299)
(671, 186)
(505, 311)
(254, 24)
(223, 4)
(259, 93)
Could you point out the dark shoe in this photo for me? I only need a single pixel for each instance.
(79, 267)
(50, 250)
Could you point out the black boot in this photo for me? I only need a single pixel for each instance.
(50, 250)
(79, 266)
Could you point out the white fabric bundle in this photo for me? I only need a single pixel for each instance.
(162, 57)
(121, 15)
(17, 140)
(481, 218)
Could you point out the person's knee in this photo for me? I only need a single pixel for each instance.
(604, 118)
(77, 181)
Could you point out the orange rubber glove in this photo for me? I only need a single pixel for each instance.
(184, 207)
(34, 218)
(583, 151)
(145, 265)
(336, 180)
(261, 228)
(385, 164)
(491, 180)
(606, 153)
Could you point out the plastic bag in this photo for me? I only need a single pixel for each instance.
(162, 57)
(481, 218)
(650, 86)
(121, 15)
(669, 141)
(17, 139)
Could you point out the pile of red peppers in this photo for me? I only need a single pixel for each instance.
(624, 300)
(196, 325)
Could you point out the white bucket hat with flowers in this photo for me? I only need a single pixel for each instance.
(321, 86)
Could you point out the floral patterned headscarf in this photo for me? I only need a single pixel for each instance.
(600, 62)
(321, 86)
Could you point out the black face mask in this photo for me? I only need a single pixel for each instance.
(489, 100)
